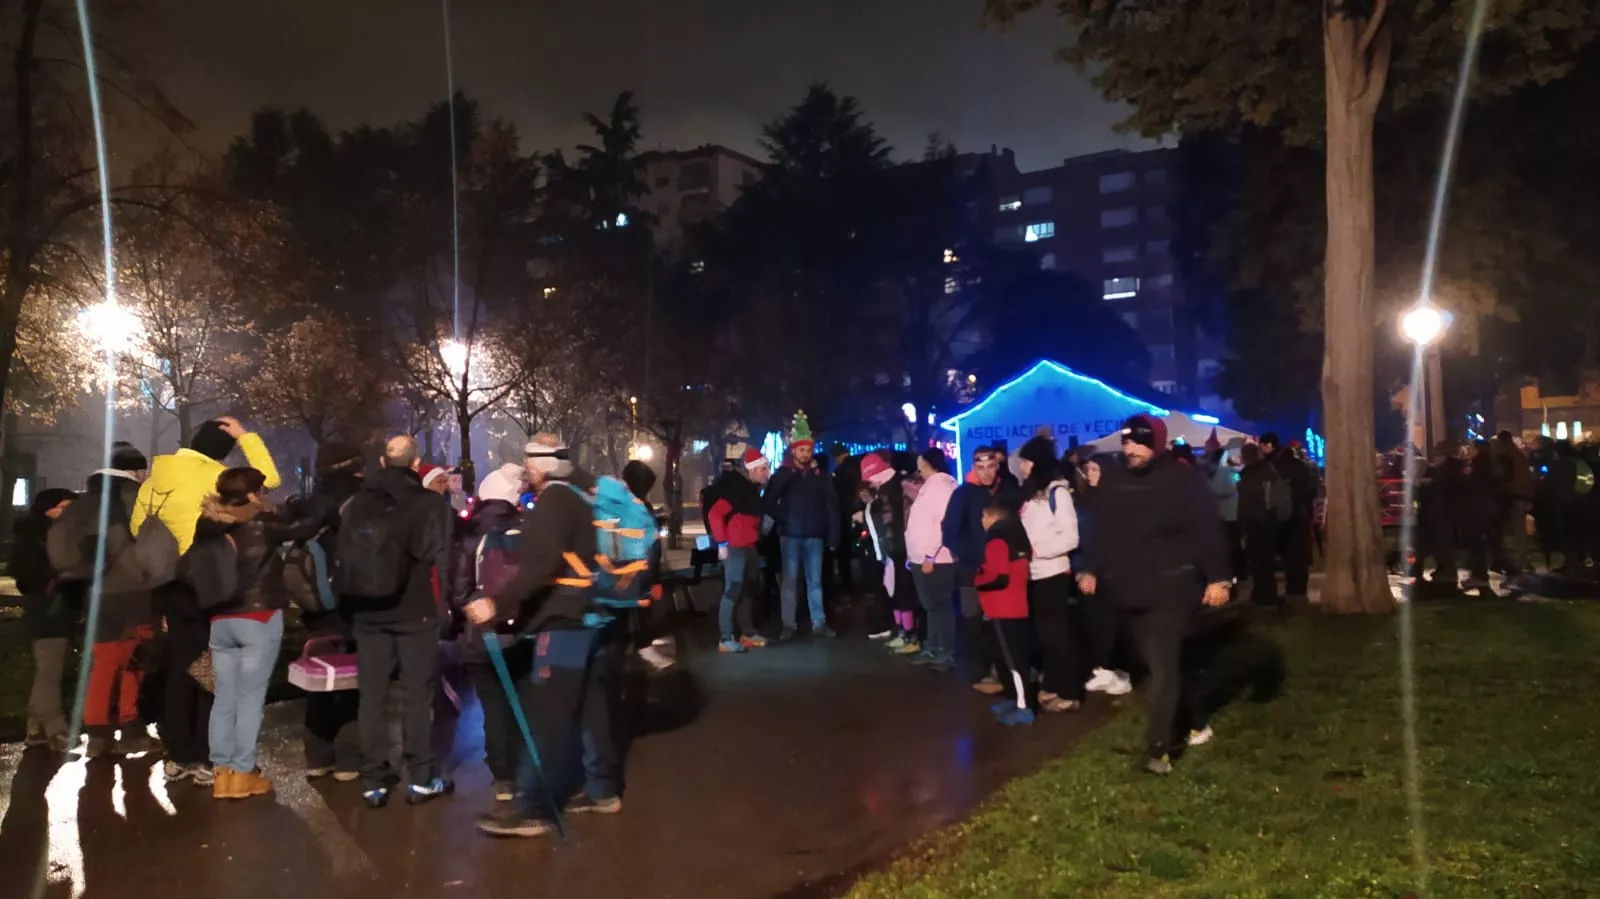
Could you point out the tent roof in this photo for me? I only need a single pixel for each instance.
(1049, 367)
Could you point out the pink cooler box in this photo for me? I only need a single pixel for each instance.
(326, 673)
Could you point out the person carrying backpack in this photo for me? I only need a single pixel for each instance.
(45, 616)
(1264, 506)
(1051, 524)
(553, 600)
(394, 540)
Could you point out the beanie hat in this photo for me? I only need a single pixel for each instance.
(211, 441)
(752, 459)
(337, 456)
(876, 470)
(504, 483)
(124, 457)
(800, 432)
(639, 477)
(1038, 450)
(1146, 430)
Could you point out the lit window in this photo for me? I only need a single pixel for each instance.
(1037, 196)
(1155, 177)
(1039, 231)
(950, 257)
(1116, 182)
(1119, 254)
(549, 292)
(1577, 430)
(1131, 319)
(622, 220)
(697, 266)
(1157, 247)
(19, 493)
(1561, 430)
(1007, 204)
(1047, 262)
(951, 285)
(1119, 218)
(1119, 288)
(1167, 387)
(1161, 282)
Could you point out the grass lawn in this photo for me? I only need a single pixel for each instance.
(1302, 792)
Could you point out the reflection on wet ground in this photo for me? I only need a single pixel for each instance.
(768, 773)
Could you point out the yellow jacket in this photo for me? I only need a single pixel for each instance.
(179, 483)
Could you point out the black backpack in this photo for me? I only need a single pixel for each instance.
(371, 549)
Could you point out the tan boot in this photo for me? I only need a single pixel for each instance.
(251, 783)
(226, 786)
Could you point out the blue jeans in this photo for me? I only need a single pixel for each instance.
(807, 551)
(243, 653)
(742, 562)
(937, 592)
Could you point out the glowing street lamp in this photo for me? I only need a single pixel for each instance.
(453, 353)
(113, 328)
(1423, 324)
(643, 452)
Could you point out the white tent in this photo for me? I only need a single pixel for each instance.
(1191, 430)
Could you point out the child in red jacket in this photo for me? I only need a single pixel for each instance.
(1002, 583)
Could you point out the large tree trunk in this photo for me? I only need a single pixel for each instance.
(1356, 58)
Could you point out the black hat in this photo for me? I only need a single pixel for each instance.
(125, 457)
(1145, 430)
(1038, 450)
(337, 455)
(212, 441)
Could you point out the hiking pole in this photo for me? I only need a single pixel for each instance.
(491, 641)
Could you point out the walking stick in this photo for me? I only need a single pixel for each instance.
(492, 643)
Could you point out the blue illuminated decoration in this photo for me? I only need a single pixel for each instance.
(772, 446)
(1205, 419)
(1316, 447)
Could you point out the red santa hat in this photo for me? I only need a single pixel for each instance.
(876, 470)
(431, 473)
(752, 460)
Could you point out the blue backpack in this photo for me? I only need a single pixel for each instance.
(624, 535)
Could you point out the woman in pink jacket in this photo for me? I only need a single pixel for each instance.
(932, 566)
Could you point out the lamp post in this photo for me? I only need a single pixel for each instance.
(1423, 325)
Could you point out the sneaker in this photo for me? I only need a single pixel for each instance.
(1000, 707)
(100, 747)
(786, 634)
(504, 791)
(58, 743)
(1200, 737)
(202, 775)
(377, 797)
(925, 657)
(989, 686)
(656, 659)
(583, 802)
(1050, 702)
(897, 642)
(318, 773)
(176, 772)
(1156, 764)
(345, 777)
(730, 646)
(511, 823)
(225, 785)
(35, 737)
(752, 641)
(135, 741)
(825, 632)
(909, 648)
(1111, 683)
(417, 794)
(880, 636)
(1014, 716)
(942, 664)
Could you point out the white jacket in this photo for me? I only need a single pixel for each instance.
(1053, 535)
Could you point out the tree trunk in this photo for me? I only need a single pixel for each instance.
(185, 421)
(1356, 55)
(469, 477)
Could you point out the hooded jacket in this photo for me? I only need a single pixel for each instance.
(962, 528)
(558, 530)
(489, 517)
(735, 514)
(1002, 580)
(1256, 480)
(1155, 535)
(179, 484)
(1052, 533)
(802, 502)
(887, 512)
(125, 603)
(924, 526)
(425, 521)
(248, 537)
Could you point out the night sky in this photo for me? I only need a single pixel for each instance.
(705, 71)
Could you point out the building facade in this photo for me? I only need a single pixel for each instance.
(688, 187)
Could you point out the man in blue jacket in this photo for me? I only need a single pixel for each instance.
(964, 536)
(801, 501)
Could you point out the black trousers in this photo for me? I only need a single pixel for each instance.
(1050, 603)
(602, 718)
(185, 707)
(413, 648)
(331, 735)
(1261, 545)
(1159, 633)
(978, 649)
(1296, 548)
(1013, 643)
(1099, 616)
(502, 741)
(563, 698)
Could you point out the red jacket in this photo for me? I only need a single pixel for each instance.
(1002, 580)
(735, 517)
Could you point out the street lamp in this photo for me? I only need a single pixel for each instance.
(643, 452)
(112, 328)
(453, 353)
(1423, 325)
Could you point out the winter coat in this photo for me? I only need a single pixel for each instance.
(1302, 481)
(1002, 579)
(1224, 486)
(489, 517)
(887, 513)
(1155, 537)
(962, 530)
(249, 538)
(1052, 535)
(1255, 481)
(735, 514)
(925, 524)
(547, 593)
(323, 506)
(125, 603)
(424, 521)
(46, 611)
(1444, 493)
(803, 503)
(1516, 474)
(179, 484)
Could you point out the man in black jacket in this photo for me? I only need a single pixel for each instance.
(1156, 550)
(964, 536)
(800, 498)
(552, 599)
(394, 522)
(1295, 534)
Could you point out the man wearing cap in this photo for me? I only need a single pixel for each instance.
(177, 486)
(965, 537)
(801, 500)
(735, 524)
(1156, 549)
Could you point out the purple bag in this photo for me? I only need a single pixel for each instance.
(326, 673)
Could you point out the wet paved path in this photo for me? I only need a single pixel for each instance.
(801, 764)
